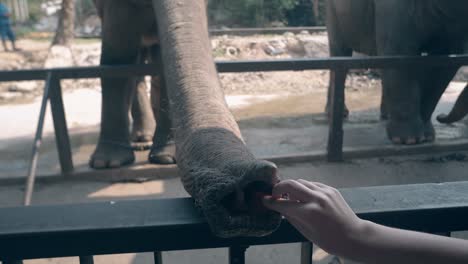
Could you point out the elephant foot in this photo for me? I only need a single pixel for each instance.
(407, 132)
(142, 139)
(429, 132)
(141, 142)
(111, 154)
(163, 154)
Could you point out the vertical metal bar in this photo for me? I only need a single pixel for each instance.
(237, 254)
(37, 142)
(335, 130)
(306, 252)
(158, 257)
(60, 126)
(86, 260)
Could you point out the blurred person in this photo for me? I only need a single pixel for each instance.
(5, 28)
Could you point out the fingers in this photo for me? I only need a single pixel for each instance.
(285, 207)
(295, 191)
(313, 185)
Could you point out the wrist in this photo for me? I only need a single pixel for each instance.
(359, 240)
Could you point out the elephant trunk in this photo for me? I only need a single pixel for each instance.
(217, 169)
(459, 111)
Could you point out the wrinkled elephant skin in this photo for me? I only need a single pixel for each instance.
(216, 168)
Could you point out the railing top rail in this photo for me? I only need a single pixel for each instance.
(267, 30)
(378, 62)
(174, 224)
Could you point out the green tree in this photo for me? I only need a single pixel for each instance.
(249, 13)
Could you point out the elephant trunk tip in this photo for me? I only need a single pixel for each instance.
(247, 198)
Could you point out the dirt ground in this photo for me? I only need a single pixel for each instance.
(280, 113)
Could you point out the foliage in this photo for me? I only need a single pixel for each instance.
(250, 13)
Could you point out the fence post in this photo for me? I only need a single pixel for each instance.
(237, 254)
(306, 252)
(86, 260)
(37, 142)
(336, 111)
(158, 257)
(62, 138)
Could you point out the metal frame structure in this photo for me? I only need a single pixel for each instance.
(340, 65)
(90, 229)
(173, 224)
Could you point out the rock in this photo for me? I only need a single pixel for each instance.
(275, 47)
(288, 35)
(232, 51)
(316, 47)
(8, 96)
(272, 51)
(23, 87)
(59, 56)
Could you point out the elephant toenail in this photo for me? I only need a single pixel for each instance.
(396, 140)
(114, 164)
(98, 164)
(411, 141)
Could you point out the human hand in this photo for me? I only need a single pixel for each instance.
(319, 212)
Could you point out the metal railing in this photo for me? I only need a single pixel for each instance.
(340, 65)
(85, 230)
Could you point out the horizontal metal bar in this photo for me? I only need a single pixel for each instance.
(152, 171)
(246, 31)
(271, 30)
(174, 224)
(13, 262)
(245, 66)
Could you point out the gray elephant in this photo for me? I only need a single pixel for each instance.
(217, 170)
(401, 27)
(129, 37)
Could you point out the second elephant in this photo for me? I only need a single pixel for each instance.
(401, 27)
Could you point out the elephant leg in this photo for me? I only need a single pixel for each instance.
(143, 125)
(433, 84)
(113, 149)
(398, 35)
(384, 105)
(337, 47)
(163, 149)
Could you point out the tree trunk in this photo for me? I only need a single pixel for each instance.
(216, 168)
(65, 28)
(316, 9)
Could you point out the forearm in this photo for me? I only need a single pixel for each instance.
(380, 244)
